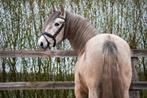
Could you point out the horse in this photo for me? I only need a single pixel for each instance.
(103, 68)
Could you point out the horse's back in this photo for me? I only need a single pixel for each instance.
(101, 38)
(96, 43)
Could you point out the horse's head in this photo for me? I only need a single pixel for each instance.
(53, 30)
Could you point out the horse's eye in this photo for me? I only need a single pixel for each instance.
(57, 24)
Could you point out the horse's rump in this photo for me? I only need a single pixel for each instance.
(111, 83)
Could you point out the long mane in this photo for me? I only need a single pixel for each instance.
(78, 31)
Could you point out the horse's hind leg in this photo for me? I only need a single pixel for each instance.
(126, 94)
(127, 80)
(93, 93)
(79, 93)
(93, 90)
(126, 90)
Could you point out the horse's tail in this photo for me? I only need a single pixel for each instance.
(111, 84)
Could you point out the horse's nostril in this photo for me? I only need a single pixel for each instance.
(41, 44)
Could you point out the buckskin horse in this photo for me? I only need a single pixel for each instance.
(103, 68)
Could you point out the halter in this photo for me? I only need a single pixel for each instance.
(53, 36)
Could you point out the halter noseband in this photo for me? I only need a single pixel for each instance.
(53, 36)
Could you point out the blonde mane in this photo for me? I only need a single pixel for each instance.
(78, 31)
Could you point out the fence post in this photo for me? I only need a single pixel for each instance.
(134, 94)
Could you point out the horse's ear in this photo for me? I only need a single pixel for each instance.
(53, 7)
(62, 10)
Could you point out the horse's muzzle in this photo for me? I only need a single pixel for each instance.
(43, 43)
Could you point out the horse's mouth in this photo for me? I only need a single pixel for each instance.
(44, 48)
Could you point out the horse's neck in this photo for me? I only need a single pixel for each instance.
(78, 31)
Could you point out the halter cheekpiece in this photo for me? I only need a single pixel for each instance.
(53, 36)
